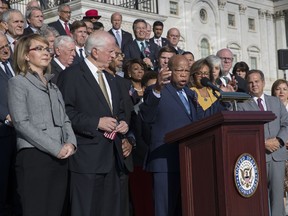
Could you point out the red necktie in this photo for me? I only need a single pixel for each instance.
(67, 29)
(260, 104)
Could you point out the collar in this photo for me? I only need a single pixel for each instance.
(262, 97)
(59, 63)
(91, 66)
(119, 30)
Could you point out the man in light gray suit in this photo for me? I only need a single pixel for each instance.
(276, 135)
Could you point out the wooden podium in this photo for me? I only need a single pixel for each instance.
(209, 150)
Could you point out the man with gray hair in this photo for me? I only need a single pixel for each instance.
(64, 50)
(13, 21)
(99, 124)
(35, 19)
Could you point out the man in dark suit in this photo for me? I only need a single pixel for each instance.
(173, 36)
(139, 48)
(62, 24)
(64, 49)
(158, 30)
(79, 34)
(7, 132)
(13, 21)
(236, 81)
(94, 106)
(122, 37)
(129, 140)
(276, 135)
(34, 17)
(168, 105)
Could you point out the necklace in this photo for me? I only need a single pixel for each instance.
(204, 93)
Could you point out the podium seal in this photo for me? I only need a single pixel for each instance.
(246, 175)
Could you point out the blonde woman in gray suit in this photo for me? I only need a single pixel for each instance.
(45, 138)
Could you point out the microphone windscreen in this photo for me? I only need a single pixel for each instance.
(204, 81)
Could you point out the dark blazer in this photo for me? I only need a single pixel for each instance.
(164, 42)
(77, 59)
(28, 31)
(126, 38)
(55, 69)
(133, 51)
(157, 113)
(58, 26)
(242, 84)
(7, 147)
(85, 105)
(124, 87)
(4, 130)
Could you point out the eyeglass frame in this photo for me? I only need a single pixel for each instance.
(200, 73)
(227, 59)
(40, 49)
(5, 46)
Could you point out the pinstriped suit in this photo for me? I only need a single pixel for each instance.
(275, 161)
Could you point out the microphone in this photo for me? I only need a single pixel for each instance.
(207, 83)
(226, 96)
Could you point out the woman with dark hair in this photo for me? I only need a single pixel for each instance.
(134, 70)
(280, 89)
(200, 69)
(45, 138)
(240, 69)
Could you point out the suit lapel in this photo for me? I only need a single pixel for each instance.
(3, 74)
(253, 104)
(174, 94)
(93, 83)
(113, 89)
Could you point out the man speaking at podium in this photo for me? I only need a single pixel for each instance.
(276, 135)
(169, 105)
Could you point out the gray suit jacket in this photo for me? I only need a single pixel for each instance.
(276, 128)
(38, 114)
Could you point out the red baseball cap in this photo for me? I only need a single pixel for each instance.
(92, 13)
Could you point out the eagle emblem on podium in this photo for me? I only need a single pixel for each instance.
(246, 175)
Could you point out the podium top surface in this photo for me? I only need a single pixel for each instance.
(224, 118)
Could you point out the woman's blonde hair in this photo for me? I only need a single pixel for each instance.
(22, 49)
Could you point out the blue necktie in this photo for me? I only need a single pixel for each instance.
(184, 101)
(7, 70)
(81, 54)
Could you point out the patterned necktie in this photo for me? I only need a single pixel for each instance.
(81, 53)
(67, 30)
(118, 38)
(184, 101)
(159, 42)
(103, 87)
(7, 70)
(260, 105)
(142, 48)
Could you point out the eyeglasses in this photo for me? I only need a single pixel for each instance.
(5, 46)
(40, 49)
(67, 12)
(200, 73)
(171, 35)
(120, 55)
(181, 71)
(226, 59)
